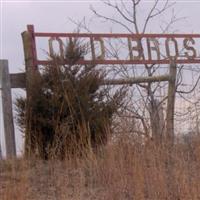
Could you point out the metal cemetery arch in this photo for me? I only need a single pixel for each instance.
(32, 62)
(140, 48)
(152, 45)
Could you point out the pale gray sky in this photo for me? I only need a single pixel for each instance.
(52, 16)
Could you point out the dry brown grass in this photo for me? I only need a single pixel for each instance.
(122, 170)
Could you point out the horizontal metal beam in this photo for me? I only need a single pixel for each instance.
(19, 80)
(136, 80)
(123, 62)
(115, 35)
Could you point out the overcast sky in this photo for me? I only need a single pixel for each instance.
(52, 16)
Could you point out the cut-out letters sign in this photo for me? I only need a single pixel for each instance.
(113, 49)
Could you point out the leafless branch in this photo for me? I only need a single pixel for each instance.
(80, 24)
(191, 90)
(116, 7)
(135, 3)
(110, 19)
(174, 19)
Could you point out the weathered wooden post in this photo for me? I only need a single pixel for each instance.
(0, 151)
(5, 86)
(31, 67)
(157, 120)
(171, 103)
(171, 186)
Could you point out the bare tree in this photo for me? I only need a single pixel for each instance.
(127, 17)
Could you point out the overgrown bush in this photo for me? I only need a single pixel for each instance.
(68, 111)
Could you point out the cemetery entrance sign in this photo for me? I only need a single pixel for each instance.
(103, 49)
(135, 48)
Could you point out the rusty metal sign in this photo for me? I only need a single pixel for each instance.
(136, 48)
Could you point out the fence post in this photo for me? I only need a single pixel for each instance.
(171, 186)
(7, 109)
(0, 151)
(28, 39)
(171, 103)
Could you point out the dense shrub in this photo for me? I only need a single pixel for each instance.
(68, 110)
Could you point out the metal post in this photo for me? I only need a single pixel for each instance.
(7, 109)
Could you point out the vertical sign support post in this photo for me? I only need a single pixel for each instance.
(7, 109)
(171, 103)
(171, 187)
(0, 151)
(31, 67)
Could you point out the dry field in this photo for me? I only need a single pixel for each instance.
(124, 170)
